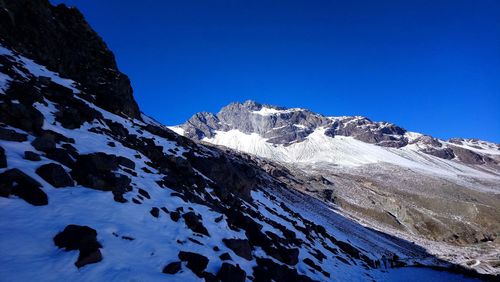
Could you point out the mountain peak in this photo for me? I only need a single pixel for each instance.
(281, 125)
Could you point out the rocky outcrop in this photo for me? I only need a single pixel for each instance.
(60, 38)
(97, 171)
(196, 262)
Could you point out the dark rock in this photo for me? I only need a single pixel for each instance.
(268, 270)
(59, 37)
(348, 249)
(55, 175)
(21, 116)
(155, 212)
(12, 135)
(194, 222)
(231, 273)
(60, 155)
(32, 156)
(175, 216)
(172, 268)
(209, 277)
(196, 262)
(328, 194)
(240, 247)
(126, 162)
(144, 193)
(44, 143)
(97, 171)
(82, 238)
(3, 158)
(225, 256)
(16, 182)
(467, 156)
(445, 153)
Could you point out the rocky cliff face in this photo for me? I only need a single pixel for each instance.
(287, 126)
(60, 39)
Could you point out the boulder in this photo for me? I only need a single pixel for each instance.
(55, 174)
(231, 273)
(195, 223)
(240, 247)
(155, 212)
(225, 256)
(268, 270)
(15, 182)
(45, 142)
(97, 171)
(196, 262)
(12, 135)
(172, 268)
(3, 158)
(25, 117)
(32, 156)
(82, 238)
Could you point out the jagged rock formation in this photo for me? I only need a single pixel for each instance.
(140, 202)
(60, 39)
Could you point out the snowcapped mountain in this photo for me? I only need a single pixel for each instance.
(443, 194)
(93, 190)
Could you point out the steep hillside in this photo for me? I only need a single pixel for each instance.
(93, 190)
(438, 193)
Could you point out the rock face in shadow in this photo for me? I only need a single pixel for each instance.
(60, 38)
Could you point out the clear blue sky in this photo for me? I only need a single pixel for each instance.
(429, 66)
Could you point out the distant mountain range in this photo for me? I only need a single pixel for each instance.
(438, 192)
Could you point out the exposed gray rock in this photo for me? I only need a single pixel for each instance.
(286, 126)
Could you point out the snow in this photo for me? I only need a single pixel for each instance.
(177, 129)
(266, 111)
(4, 80)
(36, 70)
(318, 148)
